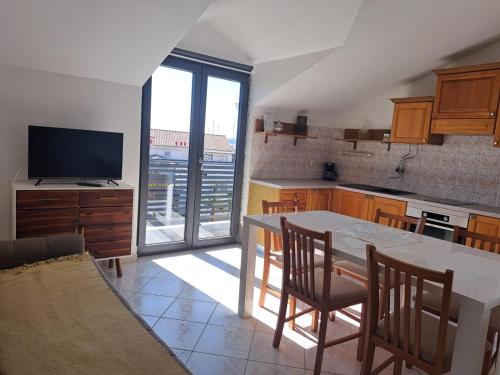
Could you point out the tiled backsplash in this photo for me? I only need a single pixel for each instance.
(464, 167)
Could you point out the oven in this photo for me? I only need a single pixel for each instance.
(440, 221)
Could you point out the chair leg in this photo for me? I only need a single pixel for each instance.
(368, 354)
(315, 318)
(398, 367)
(321, 342)
(118, 267)
(486, 362)
(362, 329)
(281, 320)
(332, 315)
(265, 281)
(293, 311)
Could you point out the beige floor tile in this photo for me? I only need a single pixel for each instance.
(148, 304)
(229, 341)
(289, 353)
(129, 283)
(183, 355)
(340, 359)
(179, 334)
(208, 364)
(162, 287)
(260, 368)
(150, 320)
(186, 309)
(225, 316)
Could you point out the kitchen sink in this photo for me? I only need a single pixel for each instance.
(377, 189)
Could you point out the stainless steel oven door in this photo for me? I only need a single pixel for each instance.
(438, 230)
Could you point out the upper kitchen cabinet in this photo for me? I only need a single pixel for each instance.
(496, 137)
(411, 121)
(466, 100)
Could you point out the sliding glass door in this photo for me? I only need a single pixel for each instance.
(194, 121)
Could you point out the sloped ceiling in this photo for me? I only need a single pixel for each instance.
(270, 30)
(390, 41)
(114, 40)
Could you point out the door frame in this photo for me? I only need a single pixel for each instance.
(201, 71)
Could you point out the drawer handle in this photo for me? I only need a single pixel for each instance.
(109, 198)
(50, 199)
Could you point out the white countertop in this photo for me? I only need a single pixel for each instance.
(30, 185)
(476, 281)
(478, 209)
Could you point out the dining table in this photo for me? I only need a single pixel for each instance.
(476, 280)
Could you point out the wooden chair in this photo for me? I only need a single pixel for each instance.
(360, 273)
(273, 241)
(408, 333)
(319, 288)
(430, 301)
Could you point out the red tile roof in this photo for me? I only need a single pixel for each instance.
(174, 138)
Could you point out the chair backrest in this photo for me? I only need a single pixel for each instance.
(299, 245)
(276, 208)
(476, 240)
(279, 207)
(400, 222)
(407, 319)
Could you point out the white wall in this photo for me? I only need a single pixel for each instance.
(35, 97)
(377, 113)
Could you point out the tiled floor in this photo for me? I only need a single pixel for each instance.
(190, 299)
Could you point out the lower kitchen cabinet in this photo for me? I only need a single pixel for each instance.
(352, 204)
(391, 206)
(319, 199)
(364, 206)
(487, 225)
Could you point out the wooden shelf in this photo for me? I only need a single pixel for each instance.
(374, 135)
(288, 132)
(295, 136)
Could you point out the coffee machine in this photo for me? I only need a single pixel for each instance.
(329, 172)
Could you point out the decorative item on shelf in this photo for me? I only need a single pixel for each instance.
(363, 133)
(278, 127)
(301, 127)
(268, 120)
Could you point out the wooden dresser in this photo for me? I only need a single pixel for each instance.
(102, 215)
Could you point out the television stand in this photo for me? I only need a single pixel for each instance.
(90, 184)
(113, 182)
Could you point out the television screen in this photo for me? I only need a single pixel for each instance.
(72, 153)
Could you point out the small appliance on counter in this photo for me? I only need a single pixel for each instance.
(329, 172)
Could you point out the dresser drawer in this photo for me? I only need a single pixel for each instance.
(46, 199)
(109, 249)
(106, 198)
(107, 233)
(105, 216)
(46, 222)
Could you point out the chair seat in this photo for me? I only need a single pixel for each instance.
(428, 338)
(433, 301)
(361, 271)
(343, 292)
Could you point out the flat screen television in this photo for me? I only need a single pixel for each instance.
(58, 153)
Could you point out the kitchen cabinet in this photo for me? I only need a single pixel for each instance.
(496, 137)
(411, 121)
(391, 206)
(319, 199)
(487, 225)
(364, 206)
(351, 203)
(466, 100)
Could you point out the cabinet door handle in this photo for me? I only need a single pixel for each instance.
(495, 143)
(424, 140)
(492, 114)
